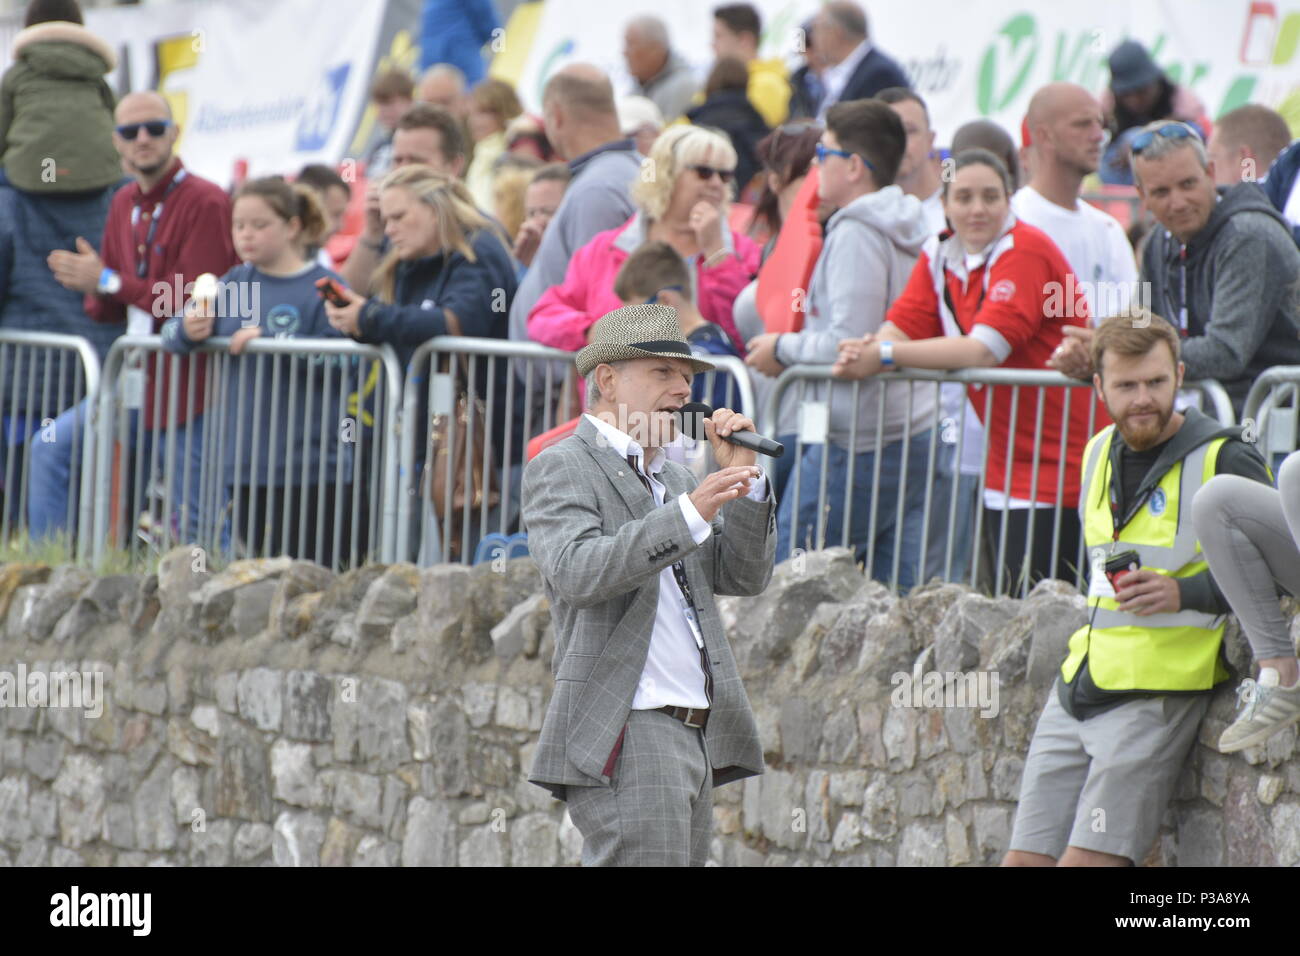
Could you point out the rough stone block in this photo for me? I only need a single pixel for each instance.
(340, 843)
(534, 840)
(391, 597)
(293, 775)
(781, 796)
(373, 851)
(211, 846)
(251, 841)
(923, 844)
(298, 837)
(430, 835)
(243, 778)
(260, 693)
(358, 798)
(80, 789)
(306, 710)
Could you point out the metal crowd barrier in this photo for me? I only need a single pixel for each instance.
(287, 448)
(951, 541)
(42, 376)
(1274, 422)
(526, 390)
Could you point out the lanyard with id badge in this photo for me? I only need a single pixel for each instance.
(138, 321)
(1108, 569)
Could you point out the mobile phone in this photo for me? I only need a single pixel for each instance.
(1118, 565)
(332, 292)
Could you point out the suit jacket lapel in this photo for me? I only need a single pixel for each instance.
(617, 470)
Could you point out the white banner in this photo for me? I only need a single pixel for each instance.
(274, 83)
(978, 58)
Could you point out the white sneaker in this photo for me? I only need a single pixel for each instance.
(1266, 708)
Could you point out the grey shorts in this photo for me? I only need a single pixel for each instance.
(1103, 784)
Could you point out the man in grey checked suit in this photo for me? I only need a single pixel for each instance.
(649, 713)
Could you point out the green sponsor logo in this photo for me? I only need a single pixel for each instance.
(1007, 64)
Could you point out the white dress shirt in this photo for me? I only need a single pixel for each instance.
(673, 675)
(835, 78)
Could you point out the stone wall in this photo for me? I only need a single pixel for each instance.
(277, 714)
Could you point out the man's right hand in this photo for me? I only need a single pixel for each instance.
(527, 241)
(726, 484)
(1073, 357)
(199, 320)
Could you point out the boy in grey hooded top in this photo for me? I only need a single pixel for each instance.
(871, 246)
(872, 243)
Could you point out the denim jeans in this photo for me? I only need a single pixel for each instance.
(913, 550)
(780, 469)
(51, 473)
(962, 528)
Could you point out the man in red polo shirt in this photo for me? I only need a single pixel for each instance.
(162, 232)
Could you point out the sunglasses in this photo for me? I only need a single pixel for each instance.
(154, 128)
(708, 172)
(823, 151)
(1169, 131)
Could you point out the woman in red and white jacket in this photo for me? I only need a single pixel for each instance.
(995, 292)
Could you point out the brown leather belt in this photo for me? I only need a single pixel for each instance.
(690, 716)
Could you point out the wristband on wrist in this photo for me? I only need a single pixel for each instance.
(373, 246)
(109, 282)
(887, 354)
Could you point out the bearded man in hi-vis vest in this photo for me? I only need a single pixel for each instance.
(1123, 714)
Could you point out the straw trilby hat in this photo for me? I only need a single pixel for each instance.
(638, 332)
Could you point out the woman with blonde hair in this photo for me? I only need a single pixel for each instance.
(682, 198)
(448, 272)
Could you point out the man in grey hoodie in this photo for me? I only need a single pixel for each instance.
(582, 124)
(872, 243)
(1224, 269)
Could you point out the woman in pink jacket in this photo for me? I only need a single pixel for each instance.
(681, 197)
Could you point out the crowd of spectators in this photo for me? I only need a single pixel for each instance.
(791, 219)
(827, 182)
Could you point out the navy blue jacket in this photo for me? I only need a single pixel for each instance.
(1281, 180)
(876, 72)
(31, 227)
(479, 293)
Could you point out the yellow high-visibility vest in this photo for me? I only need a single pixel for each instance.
(1157, 652)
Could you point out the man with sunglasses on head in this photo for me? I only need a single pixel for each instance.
(1221, 266)
(162, 232)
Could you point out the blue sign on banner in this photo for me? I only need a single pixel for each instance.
(322, 111)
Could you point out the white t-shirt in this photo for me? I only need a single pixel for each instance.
(1094, 245)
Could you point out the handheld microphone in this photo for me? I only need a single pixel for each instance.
(690, 419)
